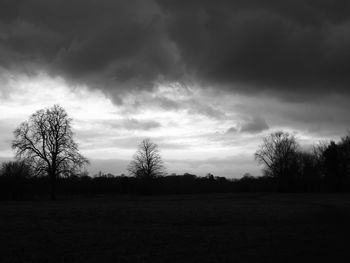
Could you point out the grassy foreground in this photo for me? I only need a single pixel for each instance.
(184, 228)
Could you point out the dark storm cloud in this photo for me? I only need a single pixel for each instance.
(294, 47)
(303, 45)
(101, 43)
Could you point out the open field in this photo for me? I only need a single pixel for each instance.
(184, 228)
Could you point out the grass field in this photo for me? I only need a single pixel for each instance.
(184, 228)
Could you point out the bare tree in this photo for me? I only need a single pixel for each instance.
(46, 142)
(278, 153)
(147, 162)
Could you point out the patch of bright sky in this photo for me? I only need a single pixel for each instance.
(185, 132)
(91, 109)
(28, 94)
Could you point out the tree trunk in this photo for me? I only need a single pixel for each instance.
(53, 186)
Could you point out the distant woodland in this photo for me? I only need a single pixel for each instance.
(48, 163)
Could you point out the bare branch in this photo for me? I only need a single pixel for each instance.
(147, 162)
(46, 140)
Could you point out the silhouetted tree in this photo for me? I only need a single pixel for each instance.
(147, 162)
(18, 169)
(336, 158)
(278, 154)
(309, 173)
(345, 158)
(210, 176)
(46, 142)
(331, 165)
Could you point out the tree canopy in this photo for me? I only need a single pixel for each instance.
(46, 142)
(147, 162)
(278, 154)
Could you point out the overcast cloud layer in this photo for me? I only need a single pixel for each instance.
(250, 46)
(202, 78)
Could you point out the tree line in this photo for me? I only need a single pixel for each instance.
(48, 162)
(325, 167)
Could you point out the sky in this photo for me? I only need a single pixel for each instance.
(205, 80)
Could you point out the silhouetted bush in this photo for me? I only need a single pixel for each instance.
(14, 180)
(102, 184)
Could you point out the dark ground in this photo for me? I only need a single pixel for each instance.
(184, 228)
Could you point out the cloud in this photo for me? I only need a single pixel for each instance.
(99, 43)
(174, 99)
(284, 47)
(232, 130)
(255, 124)
(293, 49)
(200, 72)
(134, 124)
(6, 130)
